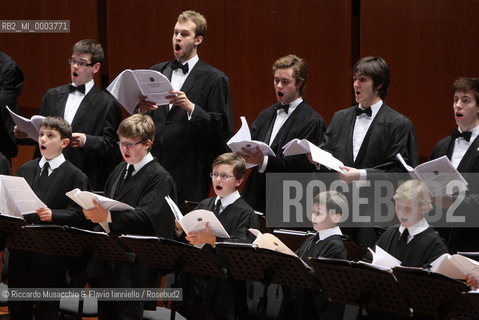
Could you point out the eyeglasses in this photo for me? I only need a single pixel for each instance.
(82, 64)
(222, 176)
(128, 144)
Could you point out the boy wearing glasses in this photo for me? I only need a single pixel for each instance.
(93, 114)
(217, 298)
(143, 183)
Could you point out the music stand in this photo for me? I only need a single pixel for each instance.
(9, 224)
(248, 262)
(467, 307)
(172, 255)
(293, 239)
(429, 292)
(66, 241)
(360, 284)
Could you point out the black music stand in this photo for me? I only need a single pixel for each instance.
(248, 262)
(429, 292)
(172, 255)
(67, 241)
(467, 307)
(361, 284)
(9, 224)
(293, 239)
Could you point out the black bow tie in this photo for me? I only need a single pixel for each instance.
(75, 88)
(465, 134)
(178, 65)
(285, 107)
(366, 111)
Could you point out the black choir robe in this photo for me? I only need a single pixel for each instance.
(390, 133)
(186, 148)
(208, 297)
(145, 192)
(423, 249)
(37, 270)
(5, 167)
(11, 82)
(301, 303)
(98, 117)
(463, 239)
(303, 123)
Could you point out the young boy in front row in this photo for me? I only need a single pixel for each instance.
(50, 177)
(327, 242)
(142, 183)
(217, 298)
(413, 242)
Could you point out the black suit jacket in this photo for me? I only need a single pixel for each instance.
(11, 82)
(463, 239)
(98, 117)
(303, 123)
(186, 148)
(390, 133)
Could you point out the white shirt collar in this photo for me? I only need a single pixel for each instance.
(416, 228)
(142, 163)
(324, 234)
(229, 199)
(54, 163)
(374, 108)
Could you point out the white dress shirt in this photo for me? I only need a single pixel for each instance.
(74, 100)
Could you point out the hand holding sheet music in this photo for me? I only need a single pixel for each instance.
(195, 220)
(130, 85)
(242, 139)
(30, 126)
(85, 200)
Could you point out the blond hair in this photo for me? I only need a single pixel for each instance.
(414, 190)
(137, 126)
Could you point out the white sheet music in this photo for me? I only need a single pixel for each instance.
(195, 220)
(455, 266)
(130, 85)
(30, 126)
(85, 200)
(318, 155)
(439, 175)
(383, 258)
(17, 198)
(242, 139)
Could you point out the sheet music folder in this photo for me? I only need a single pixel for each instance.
(64, 241)
(361, 284)
(172, 255)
